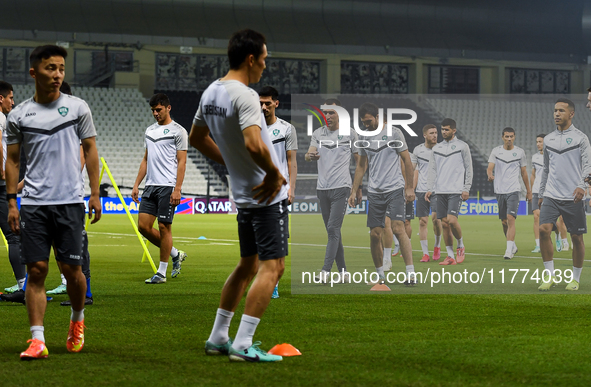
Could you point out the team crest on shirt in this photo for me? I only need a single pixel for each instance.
(569, 140)
(514, 154)
(275, 132)
(453, 147)
(166, 131)
(63, 111)
(384, 137)
(340, 137)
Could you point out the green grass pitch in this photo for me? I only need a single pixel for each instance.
(141, 335)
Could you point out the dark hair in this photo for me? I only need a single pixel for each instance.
(589, 90)
(45, 52)
(542, 135)
(368, 108)
(268, 91)
(567, 101)
(159, 99)
(427, 127)
(65, 88)
(448, 122)
(332, 101)
(242, 44)
(508, 130)
(5, 88)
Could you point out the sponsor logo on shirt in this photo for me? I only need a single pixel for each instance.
(215, 110)
(63, 111)
(30, 114)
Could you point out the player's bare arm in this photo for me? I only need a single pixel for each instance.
(528, 195)
(13, 153)
(292, 167)
(140, 177)
(199, 139)
(259, 152)
(2, 173)
(490, 171)
(92, 168)
(181, 157)
(359, 191)
(409, 193)
(359, 172)
(312, 154)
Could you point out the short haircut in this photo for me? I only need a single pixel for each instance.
(427, 127)
(269, 91)
(332, 101)
(159, 99)
(65, 88)
(541, 135)
(242, 44)
(368, 108)
(448, 122)
(45, 52)
(567, 101)
(5, 88)
(508, 130)
(589, 90)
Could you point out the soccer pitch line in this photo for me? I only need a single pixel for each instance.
(317, 245)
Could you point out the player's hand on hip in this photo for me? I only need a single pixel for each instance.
(13, 220)
(94, 206)
(579, 194)
(270, 187)
(175, 198)
(135, 194)
(465, 195)
(409, 195)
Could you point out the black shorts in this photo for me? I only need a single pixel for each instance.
(156, 202)
(423, 206)
(534, 202)
(448, 204)
(573, 214)
(385, 204)
(410, 211)
(508, 204)
(60, 225)
(264, 231)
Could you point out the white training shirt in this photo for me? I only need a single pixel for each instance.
(537, 162)
(227, 108)
(162, 142)
(284, 138)
(508, 165)
(421, 156)
(335, 153)
(50, 135)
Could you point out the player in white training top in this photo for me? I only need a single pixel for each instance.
(285, 142)
(49, 128)
(505, 164)
(422, 155)
(537, 168)
(164, 163)
(231, 112)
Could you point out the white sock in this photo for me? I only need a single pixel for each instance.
(410, 269)
(460, 243)
(173, 252)
(387, 253)
(219, 333)
(162, 268)
(550, 267)
(21, 283)
(510, 246)
(437, 240)
(64, 281)
(425, 246)
(577, 273)
(450, 251)
(380, 271)
(537, 242)
(565, 242)
(37, 332)
(248, 326)
(77, 316)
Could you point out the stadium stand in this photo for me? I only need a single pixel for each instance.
(121, 117)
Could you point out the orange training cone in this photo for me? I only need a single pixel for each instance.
(284, 350)
(380, 288)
